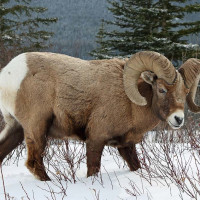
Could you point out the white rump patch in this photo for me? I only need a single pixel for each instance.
(11, 78)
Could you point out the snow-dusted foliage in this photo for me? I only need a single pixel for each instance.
(161, 26)
(20, 28)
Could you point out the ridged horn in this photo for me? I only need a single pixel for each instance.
(145, 61)
(190, 72)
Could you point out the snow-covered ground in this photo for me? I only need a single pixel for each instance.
(115, 182)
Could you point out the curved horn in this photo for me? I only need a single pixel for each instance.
(146, 61)
(190, 72)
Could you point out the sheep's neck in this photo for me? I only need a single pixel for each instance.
(143, 117)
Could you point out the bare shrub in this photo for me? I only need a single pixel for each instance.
(175, 159)
(64, 159)
(166, 157)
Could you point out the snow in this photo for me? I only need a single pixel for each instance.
(7, 37)
(114, 182)
(158, 10)
(187, 46)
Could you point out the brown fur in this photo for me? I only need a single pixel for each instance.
(15, 138)
(65, 97)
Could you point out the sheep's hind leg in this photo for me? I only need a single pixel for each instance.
(14, 135)
(35, 158)
(36, 142)
(94, 152)
(129, 154)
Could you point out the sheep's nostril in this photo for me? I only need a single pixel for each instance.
(179, 119)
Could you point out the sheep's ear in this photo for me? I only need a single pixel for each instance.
(148, 77)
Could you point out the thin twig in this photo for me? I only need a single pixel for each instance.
(25, 191)
(4, 188)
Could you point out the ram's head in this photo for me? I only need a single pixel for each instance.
(170, 87)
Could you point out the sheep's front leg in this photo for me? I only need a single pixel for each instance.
(129, 154)
(93, 151)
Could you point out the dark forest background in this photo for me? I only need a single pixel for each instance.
(78, 24)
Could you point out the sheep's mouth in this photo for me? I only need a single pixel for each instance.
(176, 119)
(174, 126)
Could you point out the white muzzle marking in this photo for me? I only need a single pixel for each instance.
(176, 119)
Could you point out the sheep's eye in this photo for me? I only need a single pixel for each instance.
(162, 91)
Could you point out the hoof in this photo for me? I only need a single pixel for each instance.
(93, 172)
(135, 167)
(43, 178)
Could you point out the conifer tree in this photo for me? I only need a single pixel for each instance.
(20, 28)
(151, 25)
(102, 50)
(171, 38)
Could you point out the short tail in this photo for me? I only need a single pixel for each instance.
(10, 126)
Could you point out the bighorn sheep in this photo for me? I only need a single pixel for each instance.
(103, 102)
